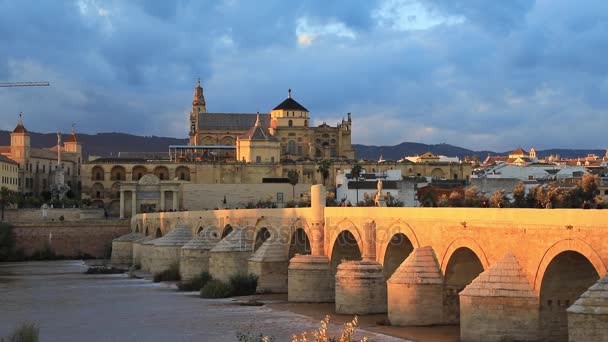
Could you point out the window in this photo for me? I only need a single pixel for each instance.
(43, 168)
(291, 147)
(272, 159)
(305, 123)
(290, 123)
(258, 159)
(299, 150)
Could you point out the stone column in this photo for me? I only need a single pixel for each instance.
(122, 204)
(175, 205)
(309, 276)
(133, 203)
(317, 204)
(369, 242)
(162, 200)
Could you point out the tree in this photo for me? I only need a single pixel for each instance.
(6, 196)
(355, 173)
(589, 185)
(443, 201)
(293, 177)
(392, 201)
(498, 199)
(324, 167)
(472, 198)
(519, 195)
(455, 199)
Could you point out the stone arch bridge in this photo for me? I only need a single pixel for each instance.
(500, 273)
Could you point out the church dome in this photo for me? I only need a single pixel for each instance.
(290, 104)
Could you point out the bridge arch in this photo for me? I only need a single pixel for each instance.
(568, 268)
(159, 233)
(468, 243)
(574, 245)
(346, 246)
(384, 236)
(344, 225)
(462, 262)
(398, 248)
(227, 230)
(299, 244)
(261, 236)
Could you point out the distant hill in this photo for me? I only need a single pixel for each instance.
(106, 144)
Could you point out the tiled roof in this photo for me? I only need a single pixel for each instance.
(257, 133)
(420, 267)
(290, 104)
(231, 121)
(505, 278)
(519, 151)
(594, 301)
(20, 129)
(7, 160)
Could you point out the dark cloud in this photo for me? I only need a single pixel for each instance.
(478, 74)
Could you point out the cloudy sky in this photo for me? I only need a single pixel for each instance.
(478, 74)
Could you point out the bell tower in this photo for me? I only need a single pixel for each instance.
(20, 144)
(198, 108)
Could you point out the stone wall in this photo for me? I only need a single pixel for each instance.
(69, 214)
(70, 239)
(210, 196)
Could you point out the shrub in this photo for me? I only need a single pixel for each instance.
(244, 285)
(216, 289)
(45, 253)
(170, 274)
(195, 284)
(103, 270)
(26, 332)
(248, 336)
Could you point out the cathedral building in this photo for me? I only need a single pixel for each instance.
(283, 134)
(37, 166)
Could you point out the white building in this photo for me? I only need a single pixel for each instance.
(350, 190)
(532, 171)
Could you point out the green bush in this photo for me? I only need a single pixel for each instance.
(195, 284)
(244, 285)
(216, 289)
(170, 274)
(26, 332)
(7, 241)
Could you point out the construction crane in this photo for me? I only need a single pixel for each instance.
(23, 84)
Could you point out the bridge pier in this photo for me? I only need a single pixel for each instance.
(195, 254)
(122, 249)
(415, 291)
(229, 256)
(166, 251)
(270, 264)
(360, 285)
(310, 279)
(500, 305)
(588, 316)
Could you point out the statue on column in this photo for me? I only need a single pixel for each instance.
(59, 189)
(379, 199)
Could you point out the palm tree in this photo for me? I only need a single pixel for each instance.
(324, 167)
(293, 177)
(355, 172)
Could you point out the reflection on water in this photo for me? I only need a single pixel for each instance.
(71, 306)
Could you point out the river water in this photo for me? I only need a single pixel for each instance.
(71, 306)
